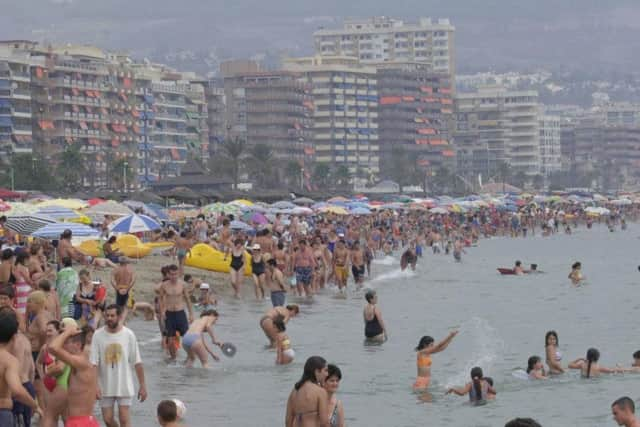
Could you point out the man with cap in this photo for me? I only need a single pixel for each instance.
(206, 300)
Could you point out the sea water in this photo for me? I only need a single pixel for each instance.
(502, 321)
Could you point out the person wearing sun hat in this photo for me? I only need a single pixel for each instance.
(258, 270)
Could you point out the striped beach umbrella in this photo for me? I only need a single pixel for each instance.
(53, 231)
(134, 224)
(28, 224)
(57, 212)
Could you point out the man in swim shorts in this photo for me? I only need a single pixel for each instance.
(122, 280)
(340, 260)
(357, 263)
(174, 296)
(304, 262)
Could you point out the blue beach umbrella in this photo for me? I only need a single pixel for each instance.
(134, 224)
(53, 231)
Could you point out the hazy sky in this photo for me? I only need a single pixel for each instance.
(489, 32)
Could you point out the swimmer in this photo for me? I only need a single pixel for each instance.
(206, 300)
(635, 366)
(576, 273)
(623, 410)
(589, 366)
(284, 352)
(478, 389)
(266, 321)
(193, 341)
(167, 413)
(308, 402)
(374, 330)
(518, 268)
(535, 369)
(554, 356)
(522, 422)
(409, 258)
(426, 347)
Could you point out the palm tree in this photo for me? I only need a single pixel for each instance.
(71, 168)
(292, 171)
(341, 176)
(228, 159)
(261, 164)
(321, 174)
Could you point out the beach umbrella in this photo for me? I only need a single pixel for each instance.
(95, 201)
(157, 211)
(4, 206)
(53, 231)
(242, 202)
(241, 226)
(621, 202)
(20, 209)
(28, 224)
(134, 224)
(360, 211)
(438, 210)
(337, 199)
(65, 203)
(303, 201)
(283, 204)
(111, 208)
(354, 205)
(255, 217)
(300, 210)
(57, 212)
(319, 205)
(337, 210)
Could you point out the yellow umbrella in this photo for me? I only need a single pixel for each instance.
(65, 203)
(334, 210)
(455, 208)
(244, 202)
(81, 219)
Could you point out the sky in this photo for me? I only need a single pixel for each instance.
(490, 34)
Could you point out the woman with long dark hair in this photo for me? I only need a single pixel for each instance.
(478, 389)
(308, 402)
(554, 356)
(589, 366)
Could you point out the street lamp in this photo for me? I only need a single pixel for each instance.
(301, 178)
(124, 175)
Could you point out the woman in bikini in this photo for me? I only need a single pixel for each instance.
(554, 355)
(284, 352)
(38, 266)
(331, 384)
(589, 366)
(307, 405)
(267, 321)
(237, 265)
(23, 284)
(426, 347)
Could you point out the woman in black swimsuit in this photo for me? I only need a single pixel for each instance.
(237, 264)
(258, 270)
(374, 330)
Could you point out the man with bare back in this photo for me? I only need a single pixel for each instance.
(174, 296)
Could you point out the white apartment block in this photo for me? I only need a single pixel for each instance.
(387, 40)
(503, 124)
(550, 156)
(345, 115)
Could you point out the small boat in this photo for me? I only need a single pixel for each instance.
(506, 270)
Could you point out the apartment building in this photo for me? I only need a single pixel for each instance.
(550, 149)
(82, 95)
(271, 108)
(16, 134)
(345, 114)
(415, 112)
(494, 125)
(216, 105)
(387, 40)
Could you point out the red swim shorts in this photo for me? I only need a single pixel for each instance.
(84, 421)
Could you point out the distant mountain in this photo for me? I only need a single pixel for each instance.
(491, 34)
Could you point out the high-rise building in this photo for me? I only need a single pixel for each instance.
(270, 108)
(15, 97)
(550, 151)
(345, 117)
(494, 125)
(216, 105)
(386, 40)
(415, 112)
(82, 95)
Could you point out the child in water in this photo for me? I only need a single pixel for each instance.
(284, 352)
(576, 273)
(535, 368)
(478, 389)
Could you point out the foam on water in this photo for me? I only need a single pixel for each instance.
(487, 346)
(393, 274)
(387, 260)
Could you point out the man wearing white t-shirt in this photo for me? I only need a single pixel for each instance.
(114, 351)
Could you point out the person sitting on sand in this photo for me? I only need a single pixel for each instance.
(193, 341)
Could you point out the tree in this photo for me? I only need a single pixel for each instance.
(29, 173)
(117, 168)
(228, 160)
(261, 165)
(520, 179)
(321, 173)
(538, 182)
(341, 176)
(504, 171)
(71, 168)
(442, 180)
(400, 167)
(292, 173)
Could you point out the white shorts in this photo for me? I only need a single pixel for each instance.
(108, 402)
